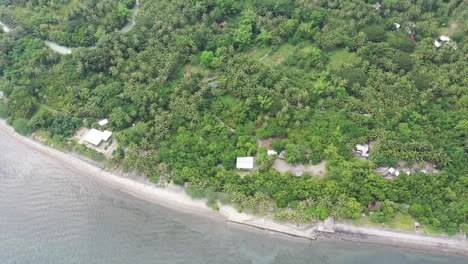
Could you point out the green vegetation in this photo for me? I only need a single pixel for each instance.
(67, 22)
(315, 79)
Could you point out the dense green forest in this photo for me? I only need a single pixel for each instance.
(187, 93)
(67, 22)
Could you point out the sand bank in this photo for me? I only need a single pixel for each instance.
(175, 197)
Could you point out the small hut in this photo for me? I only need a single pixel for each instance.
(362, 150)
(223, 23)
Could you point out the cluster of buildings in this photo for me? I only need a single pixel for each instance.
(441, 40)
(363, 151)
(390, 172)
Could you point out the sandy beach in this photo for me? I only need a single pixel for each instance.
(174, 197)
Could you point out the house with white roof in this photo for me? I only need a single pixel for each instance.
(95, 137)
(245, 163)
(362, 150)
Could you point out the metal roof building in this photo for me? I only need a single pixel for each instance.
(103, 122)
(245, 163)
(95, 137)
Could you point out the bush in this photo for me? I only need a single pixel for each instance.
(194, 192)
(417, 210)
(3, 110)
(224, 198)
(211, 194)
(89, 122)
(304, 58)
(21, 103)
(21, 126)
(279, 145)
(154, 179)
(377, 217)
(272, 129)
(206, 58)
(179, 179)
(212, 205)
(294, 153)
(458, 36)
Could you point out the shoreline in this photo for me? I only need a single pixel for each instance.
(175, 198)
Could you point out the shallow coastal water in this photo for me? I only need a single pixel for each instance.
(50, 213)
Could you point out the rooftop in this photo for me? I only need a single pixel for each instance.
(246, 163)
(444, 38)
(363, 150)
(95, 137)
(103, 122)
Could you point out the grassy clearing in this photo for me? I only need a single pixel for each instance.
(430, 230)
(271, 55)
(277, 57)
(193, 69)
(257, 53)
(340, 58)
(401, 222)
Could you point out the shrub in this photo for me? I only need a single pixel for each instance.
(154, 179)
(21, 126)
(206, 58)
(377, 217)
(210, 194)
(194, 192)
(294, 153)
(3, 110)
(212, 205)
(458, 36)
(21, 103)
(224, 198)
(279, 145)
